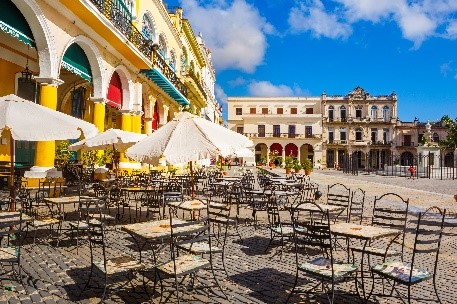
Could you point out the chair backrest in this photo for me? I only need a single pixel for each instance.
(339, 195)
(313, 233)
(97, 240)
(93, 208)
(153, 197)
(99, 190)
(11, 237)
(356, 207)
(427, 241)
(390, 210)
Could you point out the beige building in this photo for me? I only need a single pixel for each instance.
(359, 127)
(282, 125)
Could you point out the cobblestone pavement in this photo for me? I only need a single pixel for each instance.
(57, 274)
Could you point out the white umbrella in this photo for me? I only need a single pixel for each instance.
(32, 122)
(118, 139)
(244, 152)
(188, 138)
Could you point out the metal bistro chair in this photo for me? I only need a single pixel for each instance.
(276, 224)
(186, 235)
(339, 195)
(315, 238)
(10, 242)
(389, 211)
(152, 200)
(109, 266)
(426, 249)
(356, 206)
(172, 192)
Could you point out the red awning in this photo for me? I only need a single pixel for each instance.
(115, 91)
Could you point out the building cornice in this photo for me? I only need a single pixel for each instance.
(193, 42)
(164, 13)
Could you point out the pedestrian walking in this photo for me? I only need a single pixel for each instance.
(411, 171)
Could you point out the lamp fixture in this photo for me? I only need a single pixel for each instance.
(26, 74)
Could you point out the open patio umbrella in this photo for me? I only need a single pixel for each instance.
(188, 138)
(32, 122)
(120, 140)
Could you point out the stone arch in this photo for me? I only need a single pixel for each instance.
(306, 151)
(261, 153)
(291, 149)
(43, 36)
(406, 158)
(127, 85)
(96, 63)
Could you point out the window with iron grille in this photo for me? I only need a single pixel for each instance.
(276, 130)
(308, 131)
(261, 130)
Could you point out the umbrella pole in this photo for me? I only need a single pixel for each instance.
(12, 203)
(192, 180)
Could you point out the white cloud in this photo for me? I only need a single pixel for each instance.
(315, 19)
(239, 81)
(418, 20)
(220, 94)
(446, 68)
(235, 32)
(267, 89)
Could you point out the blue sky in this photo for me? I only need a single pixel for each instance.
(302, 48)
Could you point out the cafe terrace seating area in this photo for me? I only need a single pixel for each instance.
(252, 236)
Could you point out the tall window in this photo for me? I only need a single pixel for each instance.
(385, 135)
(147, 29)
(238, 111)
(293, 110)
(343, 135)
(358, 112)
(374, 112)
(343, 113)
(261, 130)
(358, 134)
(172, 60)
(435, 137)
(331, 135)
(252, 110)
(162, 46)
(374, 135)
(386, 113)
(279, 111)
(264, 110)
(184, 62)
(291, 131)
(276, 130)
(330, 113)
(308, 131)
(240, 130)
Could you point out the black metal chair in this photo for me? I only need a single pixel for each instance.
(339, 195)
(119, 266)
(278, 227)
(390, 210)
(152, 200)
(11, 224)
(186, 235)
(172, 192)
(426, 249)
(356, 207)
(313, 239)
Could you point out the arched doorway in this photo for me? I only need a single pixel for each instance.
(406, 159)
(291, 150)
(276, 154)
(306, 151)
(115, 100)
(261, 151)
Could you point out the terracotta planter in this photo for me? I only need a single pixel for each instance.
(287, 171)
(307, 172)
(224, 172)
(297, 170)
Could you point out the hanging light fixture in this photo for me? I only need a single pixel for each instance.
(27, 75)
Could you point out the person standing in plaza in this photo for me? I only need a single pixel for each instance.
(411, 171)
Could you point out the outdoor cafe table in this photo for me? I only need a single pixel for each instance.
(365, 233)
(153, 231)
(193, 206)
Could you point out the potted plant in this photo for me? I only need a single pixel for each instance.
(289, 163)
(297, 166)
(308, 166)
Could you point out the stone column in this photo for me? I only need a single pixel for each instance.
(45, 150)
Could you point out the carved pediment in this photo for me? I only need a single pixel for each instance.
(358, 94)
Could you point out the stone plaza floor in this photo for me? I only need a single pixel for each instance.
(58, 274)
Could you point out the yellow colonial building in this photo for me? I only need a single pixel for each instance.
(124, 64)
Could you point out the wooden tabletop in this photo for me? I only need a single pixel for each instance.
(13, 218)
(157, 229)
(363, 232)
(67, 199)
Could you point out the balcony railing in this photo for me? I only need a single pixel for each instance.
(408, 144)
(380, 143)
(118, 14)
(159, 63)
(197, 81)
(283, 135)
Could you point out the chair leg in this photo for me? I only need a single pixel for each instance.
(104, 288)
(293, 288)
(88, 281)
(436, 290)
